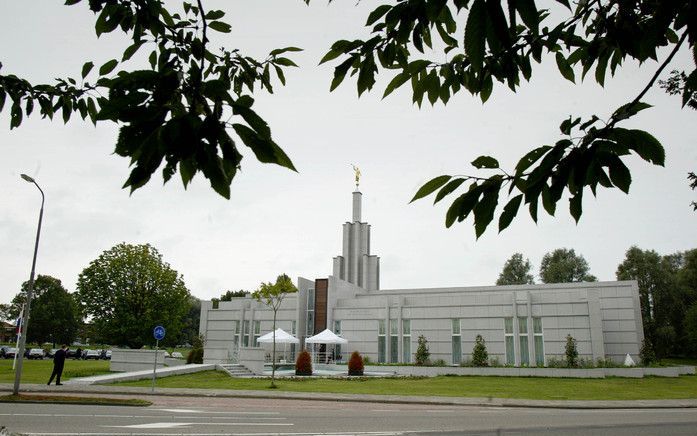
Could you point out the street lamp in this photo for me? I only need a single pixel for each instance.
(25, 322)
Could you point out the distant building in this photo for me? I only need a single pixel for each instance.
(523, 325)
(8, 332)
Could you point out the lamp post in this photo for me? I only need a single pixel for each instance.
(25, 321)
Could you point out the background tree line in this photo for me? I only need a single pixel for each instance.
(667, 290)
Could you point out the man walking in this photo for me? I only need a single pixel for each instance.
(58, 362)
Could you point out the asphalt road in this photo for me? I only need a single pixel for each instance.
(243, 416)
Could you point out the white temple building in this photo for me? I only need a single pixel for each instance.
(523, 325)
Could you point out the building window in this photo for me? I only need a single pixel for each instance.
(457, 342)
(523, 336)
(406, 341)
(381, 341)
(257, 332)
(337, 347)
(394, 341)
(508, 335)
(310, 330)
(236, 335)
(245, 333)
(539, 342)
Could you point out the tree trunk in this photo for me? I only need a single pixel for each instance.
(273, 352)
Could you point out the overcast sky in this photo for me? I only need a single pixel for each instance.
(280, 221)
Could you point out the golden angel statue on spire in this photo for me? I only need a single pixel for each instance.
(357, 171)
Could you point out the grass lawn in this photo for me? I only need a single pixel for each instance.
(455, 386)
(38, 371)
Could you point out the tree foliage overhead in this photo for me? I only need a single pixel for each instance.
(179, 113)
(516, 271)
(128, 290)
(565, 266)
(443, 47)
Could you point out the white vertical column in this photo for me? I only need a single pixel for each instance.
(357, 206)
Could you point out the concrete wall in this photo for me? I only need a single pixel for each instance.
(135, 360)
(252, 359)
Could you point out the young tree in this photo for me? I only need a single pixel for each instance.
(480, 357)
(128, 290)
(571, 352)
(273, 294)
(564, 266)
(516, 271)
(422, 354)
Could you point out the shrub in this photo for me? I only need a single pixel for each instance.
(480, 357)
(439, 362)
(422, 353)
(606, 363)
(494, 361)
(366, 360)
(196, 353)
(646, 354)
(571, 352)
(355, 365)
(303, 364)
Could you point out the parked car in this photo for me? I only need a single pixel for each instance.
(91, 354)
(167, 354)
(10, 353)
(177, 355)
(52, 352)
(36, 353)
(105, 354)
(3, 349)
(72, 354)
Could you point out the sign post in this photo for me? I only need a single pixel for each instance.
(159, 334)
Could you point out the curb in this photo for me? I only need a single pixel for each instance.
(392, 399)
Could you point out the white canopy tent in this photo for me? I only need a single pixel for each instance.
(282, 337)
(326, 337)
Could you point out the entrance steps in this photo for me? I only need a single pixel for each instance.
(235, 370)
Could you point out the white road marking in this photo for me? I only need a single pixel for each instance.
(217, 412)
(391, 433)
(188, 424)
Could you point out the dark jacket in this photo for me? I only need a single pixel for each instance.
(59, 357)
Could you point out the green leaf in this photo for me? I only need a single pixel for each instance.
(629, 110)
(214, 15)
(72, 2)
(86, 68)
(484, 209)
(331, 55)
(398, 80)
(528, 12)
(530, 158)
(485, 162)
(131, 50)
(619, 173)
(108, 67)
(377, 14)
(430, 186)
(509, 212)
(475, 34)
(641, 142)
(340, 72)
(565, 69)
(576, 205)
(264, 149)
(447, 189)
(220, 26)
(279, 51)
(285, 62)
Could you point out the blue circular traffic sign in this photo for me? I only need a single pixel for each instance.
(159, 332)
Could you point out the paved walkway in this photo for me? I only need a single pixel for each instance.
(395, 399)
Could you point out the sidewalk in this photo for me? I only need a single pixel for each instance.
(317, 396)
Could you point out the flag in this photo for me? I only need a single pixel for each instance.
(18, 324)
